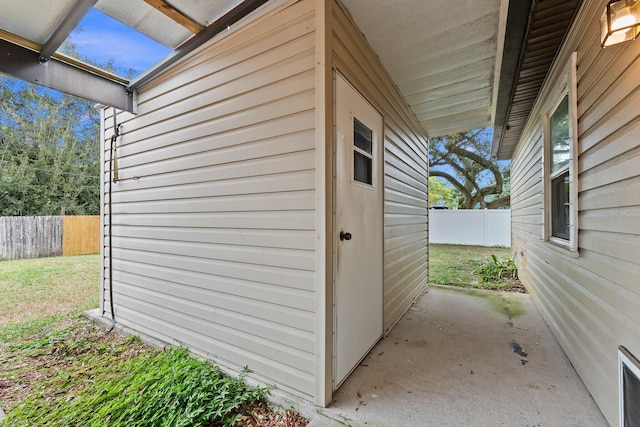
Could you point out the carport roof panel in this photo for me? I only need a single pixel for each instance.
(204, 11)
(145, 19)
(34, 20)
(159, 27)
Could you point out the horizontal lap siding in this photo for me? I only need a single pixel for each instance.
(214, 213)
(406, 208)
(592, 302)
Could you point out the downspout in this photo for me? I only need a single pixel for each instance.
(113, 178)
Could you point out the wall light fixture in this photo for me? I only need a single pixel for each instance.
(620, 22)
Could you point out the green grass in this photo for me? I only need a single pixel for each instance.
(57, 369)
(149, 389)
(458, 265)
(35, 288)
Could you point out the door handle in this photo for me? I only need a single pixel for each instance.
(345, 236)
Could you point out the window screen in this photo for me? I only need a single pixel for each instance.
(560, 206)
(560, 152)
(560, 139)
(362, 136)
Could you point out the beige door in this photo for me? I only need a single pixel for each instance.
(359, 229)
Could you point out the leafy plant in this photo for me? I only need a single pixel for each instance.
(454, 265)
(168, 388)
(495, 268)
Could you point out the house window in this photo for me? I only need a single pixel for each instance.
(362, 153)
(560, 171)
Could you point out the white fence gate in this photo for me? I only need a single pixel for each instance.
(480, 227)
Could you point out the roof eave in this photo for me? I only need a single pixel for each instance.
(517, 25)
(511, 116)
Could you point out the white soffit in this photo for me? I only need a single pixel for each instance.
(442, 56)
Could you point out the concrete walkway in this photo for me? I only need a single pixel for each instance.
(465, 358)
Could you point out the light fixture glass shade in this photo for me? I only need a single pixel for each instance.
(620, 22)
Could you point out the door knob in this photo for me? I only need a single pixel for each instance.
(345, 236)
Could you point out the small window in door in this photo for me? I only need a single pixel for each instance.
(362, 153)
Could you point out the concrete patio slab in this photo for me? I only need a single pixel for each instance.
(465, 358)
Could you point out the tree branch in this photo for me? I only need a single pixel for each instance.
(453, 182)
(500, 202)
(487, 164)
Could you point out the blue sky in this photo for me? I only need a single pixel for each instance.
(103, 38)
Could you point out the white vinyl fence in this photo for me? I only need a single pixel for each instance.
(480, 227)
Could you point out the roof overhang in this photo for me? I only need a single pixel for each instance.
(454, 64)
(31, 31)
(532, 47)
(443, 56)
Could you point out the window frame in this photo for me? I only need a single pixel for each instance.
(565, 87)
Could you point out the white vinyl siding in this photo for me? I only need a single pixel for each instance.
(592, 302)
(405, 168)
(214, 217)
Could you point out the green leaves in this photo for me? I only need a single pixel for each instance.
(49, 152)
(473, 267)
(496, 268)
(464, 160)
(152, 389)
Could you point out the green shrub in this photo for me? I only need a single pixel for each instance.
(495, 269)
(168, 388)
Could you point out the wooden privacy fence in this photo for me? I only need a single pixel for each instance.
(48, 236)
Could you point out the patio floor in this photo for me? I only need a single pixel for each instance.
(465, 358)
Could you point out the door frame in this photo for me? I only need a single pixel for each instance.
(337, 74)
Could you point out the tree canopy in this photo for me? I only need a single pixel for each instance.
(464, 160)
(49, 147)
(49, 152)
(441, 195)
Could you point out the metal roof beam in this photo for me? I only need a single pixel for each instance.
(68, 24)
(23, 63)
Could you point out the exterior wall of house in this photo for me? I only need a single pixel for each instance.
(591, 301)
(405, 167)
(223, 208)
(214, 226)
